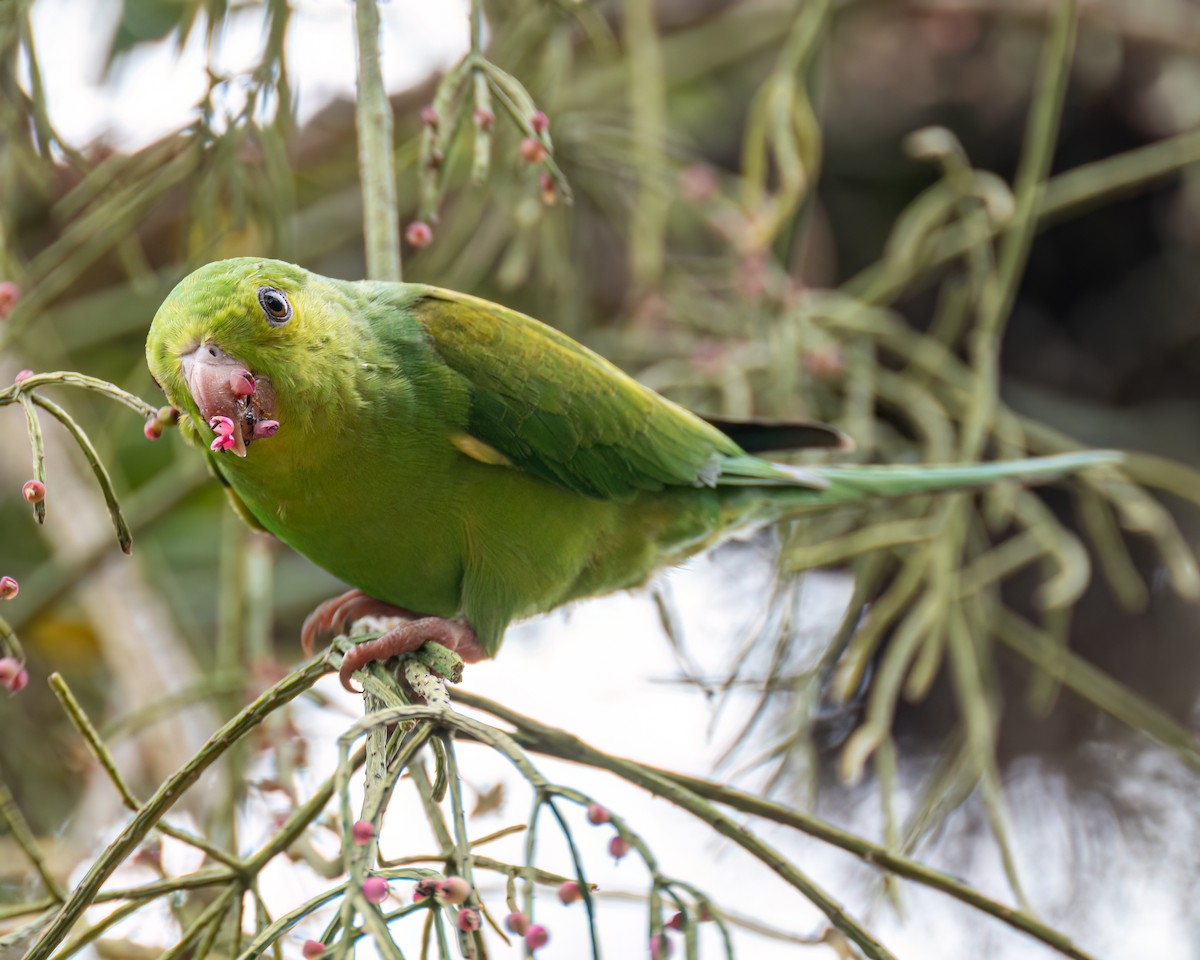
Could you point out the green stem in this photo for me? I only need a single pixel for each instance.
(381, 222)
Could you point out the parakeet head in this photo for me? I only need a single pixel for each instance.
(244, 346)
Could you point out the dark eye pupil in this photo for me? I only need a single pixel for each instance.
(275, 305)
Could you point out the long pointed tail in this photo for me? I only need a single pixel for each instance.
(850, 483)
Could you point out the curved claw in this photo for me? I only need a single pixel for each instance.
(406, 638)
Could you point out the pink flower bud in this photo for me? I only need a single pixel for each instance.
(484, 119)
(468, 919)
(168, 416)
(241, 383)
(429, 117)
(597, 814)
(265, 428)
(9, 588)
(532, 150)
(676, 922)
(453, 890)
(660, 947)
(539, 122)
(375, 889)
(222, 426)
(153, 429)
(312, 948)
(224, 442)
(419, 234)
(517, 923)
(10, 293)
(568, 892)
(22, 375)
(618, 846)
(536, 936)
(34, 491)
(362, 832)
(13, 676)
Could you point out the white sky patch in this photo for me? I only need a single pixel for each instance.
(155, 89)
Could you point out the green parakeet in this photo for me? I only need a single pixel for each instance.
(462, 465)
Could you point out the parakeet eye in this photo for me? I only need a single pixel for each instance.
(275, 305)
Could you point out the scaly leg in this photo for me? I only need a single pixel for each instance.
(333, 616)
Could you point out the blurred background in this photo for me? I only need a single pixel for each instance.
(736, 212)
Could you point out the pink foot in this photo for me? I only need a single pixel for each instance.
(411, 636)
(333, 616)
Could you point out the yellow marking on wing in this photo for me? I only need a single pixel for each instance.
(478, 450)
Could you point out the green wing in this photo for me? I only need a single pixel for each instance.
(561, 412)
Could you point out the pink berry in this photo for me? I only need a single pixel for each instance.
(10, 293)
(362, 833)
(618, 846)
(419, 234)
(13, 676)
(241, 383)
(22, 375)
(9, 588)
(539, 122)
(536, 936)
(532, 150)
(312, 948)
(568, 892)
(517, 923)
(453, 890)
(429, 117)
(676, 922)
(468, 919)
(597, 814)
(375, 889)
(265, 428)
(660, 947)
(34, 491)
(484, 119)
(153, 429)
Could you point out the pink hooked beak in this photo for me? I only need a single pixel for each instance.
(223, 387)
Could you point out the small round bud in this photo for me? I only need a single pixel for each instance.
(468, 920)
(241, 383)
(597, 814)
(34, 491)
(532, 150)
(168, 416)
(265, 428)
(676, 922)
(22, 375)
(13, 676)
(569, 892)
(618, 846)
(375, 889)
(312, 948)
(660, 947)
(548, 189)
(153, 429)
(9, 588)
(429, 117)
(453, 890)
(517, 923)
(362, 833)
(536, 936)
(539, 122)
(424, 890)
(10, 293)
(484, 119)
(418, 234)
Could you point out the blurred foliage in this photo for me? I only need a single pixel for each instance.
(762, 208)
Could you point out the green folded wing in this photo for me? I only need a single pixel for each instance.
(561, 412)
